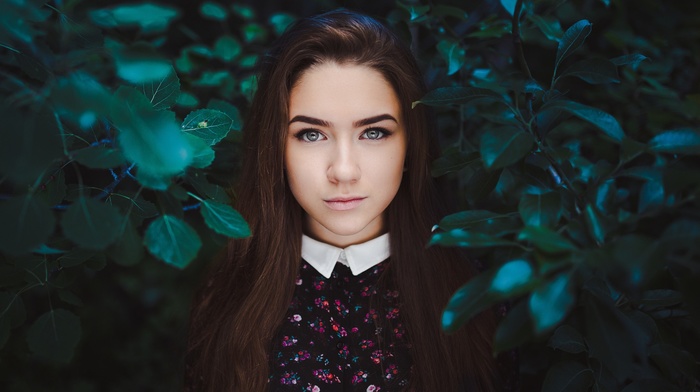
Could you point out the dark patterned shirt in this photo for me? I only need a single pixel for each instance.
(341, 334)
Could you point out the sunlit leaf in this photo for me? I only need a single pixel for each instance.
(458, 95)
(208, 124)
(540, 209)
(99, 157)
(550, 303)
(223, 219)
(54, 336)
(677, 141)
(572, 39)
(593, 71)
(212, 10)
(512, 278)
(163, 93)
(172, 240)
(602, 120)
(149, 17)
(91, 224)
(27, 222)
(568, 376)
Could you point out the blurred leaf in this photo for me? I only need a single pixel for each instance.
(572, 39)
(230, 110)
(468, 301)
(150, 139)
(467, 239)
(80, 98)
(546, 239)
(53, 188)
(595, 224)
(604, 121)
(223, 219)
(515, 329)
(212, 10)
(674, 362)
(651, 196)
(91, 224)
(504, 146)
(442, 11)
(540, 209)
(99, 157)
(208, 124)
(12, 305)
(27, 223)
(141, 63)
(253, 32)
(467, 218)
(660, 298)
(187, 100)
(128, 249)
(509, 6)
(513, 278)
(566, 338)
(69, 298)
(630, 149)
(76, 257)
(244, 11)
(280, 21)
(202, 153)
(452, 162)
(568, 376)
(491, 28)
(633, 60)
(227, 48)
(150, 18)
(163, 93)
(54, 336)
(453, 54)
(549, 26)
(416, 12)
(677, 141)
(593, 71)
(458, 95)
(158, 182)
(550, 303)
(172, 240)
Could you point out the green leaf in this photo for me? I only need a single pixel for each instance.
(27, 222)
(568, 339)
(572, 39)
(481, 184)
(546, 239)
(569, 376)
(229, 110)
(466, 219)
(214, 11)
(253, 32)
(651, 196)
(604, 121)
(593, 71)
(453, 54)
(76, 257)
(141, 63)
(223, 219)
(458, 95)
(81, 99)
(630, 149)
(509, 5)
(91, 224)
(280, 22)
(158, 182)
(163, 93)
(677, 141)
(550, 303)
(467, 239)
(549, 26)
(416, 12)
(504, 146)
(443, 11)
(468, 301)
(244, 11)
(202, 153)
(172, 240)
(99, 157)
(595, 224)
(150, 139)
(149, 17)
(515, 329)
(227, 48)
(452, 162)
(633, 60)
(540, 209)
(128, 249)
(54, 336)
(513, 278)
(208, 124)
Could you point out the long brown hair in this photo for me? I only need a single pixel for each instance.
(239, 310)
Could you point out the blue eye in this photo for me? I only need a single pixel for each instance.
(309, 135)
(375, 134)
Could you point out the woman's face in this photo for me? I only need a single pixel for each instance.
(344, 151)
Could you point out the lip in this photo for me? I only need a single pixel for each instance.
(344, 203)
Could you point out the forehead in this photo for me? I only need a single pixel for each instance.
(338, 92)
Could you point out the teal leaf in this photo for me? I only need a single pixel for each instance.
(504, 146)
(150, 139)
(54, 336)
(172, 240)
(630, 149)
(163, 93)
(468, 301)
(549, 26)
(568, 339)
(593, 71)
(546, 239)
(229, 110)
(99, 157)
(442, 11)
(141, 63)
(595, 224)
(651, 196)
(253, 32)
(81, 99)
(207, 124)
(227, 48)
(515, 329)
(453, 53)
(27, 222)
(677, 141)
(572, 39)
(244, 11)
(416, 12)
(128, 249)
(202, 153)
(481, 184)
(149, 17)
(214, 11)
(509, 6)
(458, 95)
(223, 219)
(550, 303)
(467, 239)
(540, 209)
(466, 219)
(633, 60)
(602, 120)
(158, 182)
(76, 257)
(91, 224)
(280, 22)
(512, 277)
(568, 375)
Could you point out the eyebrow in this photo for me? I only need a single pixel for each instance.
(356, 124)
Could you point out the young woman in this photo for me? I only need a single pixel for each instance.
(335, 290)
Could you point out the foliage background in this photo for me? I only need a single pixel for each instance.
(579, 197)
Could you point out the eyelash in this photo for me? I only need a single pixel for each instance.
(304, 132)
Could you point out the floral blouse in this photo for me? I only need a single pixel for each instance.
(341, 334)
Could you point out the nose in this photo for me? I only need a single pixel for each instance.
(344, 164)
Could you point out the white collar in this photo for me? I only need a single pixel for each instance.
(359, 257)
